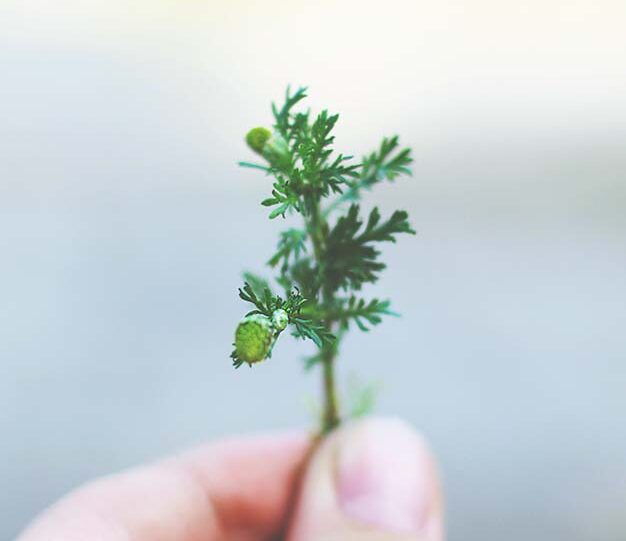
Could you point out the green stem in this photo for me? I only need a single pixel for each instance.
(330, 417)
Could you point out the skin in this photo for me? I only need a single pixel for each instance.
(252, 488)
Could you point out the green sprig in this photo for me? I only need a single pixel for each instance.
(334, 253)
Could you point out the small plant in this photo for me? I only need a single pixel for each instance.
(323, 263)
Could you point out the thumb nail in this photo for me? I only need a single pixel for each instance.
(383, 477)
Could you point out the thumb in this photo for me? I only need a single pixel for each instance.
(371, 480)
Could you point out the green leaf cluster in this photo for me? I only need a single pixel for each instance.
(266, 303)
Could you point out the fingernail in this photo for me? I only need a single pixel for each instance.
(383, 478)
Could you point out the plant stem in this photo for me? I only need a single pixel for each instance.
(330, 417)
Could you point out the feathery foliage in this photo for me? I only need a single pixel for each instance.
(324, 263)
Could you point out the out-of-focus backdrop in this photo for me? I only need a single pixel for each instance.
(125, 225)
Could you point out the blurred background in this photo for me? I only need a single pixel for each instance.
(125, 225)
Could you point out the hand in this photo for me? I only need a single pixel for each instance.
(370, 480)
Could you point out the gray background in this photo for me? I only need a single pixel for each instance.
(125, 225)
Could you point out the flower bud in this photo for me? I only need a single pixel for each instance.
(253, 338)
(257, 137)
(276, 150)
(272, 146)
(280, 319)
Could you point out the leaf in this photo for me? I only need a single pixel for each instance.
(285, 195)
(386, 163)
(282, 115)
(248, 294)
(361, 397)
(365, 314)
(290, 246)
(237, 362)
(255, 166)
(257, 283)
(351, 259)
(305, 328)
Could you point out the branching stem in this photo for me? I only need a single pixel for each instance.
(323, 267)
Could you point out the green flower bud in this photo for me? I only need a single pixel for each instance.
(257, 137)
(280, 319)
(272, 146)
(276, 151)
(253, 338)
